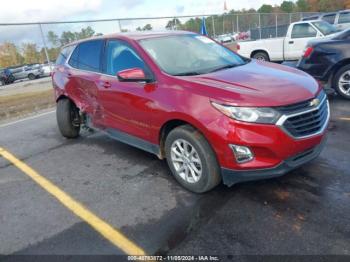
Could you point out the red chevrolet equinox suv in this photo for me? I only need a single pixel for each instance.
(212, 114)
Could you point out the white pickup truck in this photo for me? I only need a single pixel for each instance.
(290, 47)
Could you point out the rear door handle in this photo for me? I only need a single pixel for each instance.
(291, 42)
(106, 84)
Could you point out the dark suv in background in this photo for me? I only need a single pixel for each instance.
(328, 60)
(6, 77)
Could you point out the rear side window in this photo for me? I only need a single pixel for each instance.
(89, 55)
(65, 52)
(329, 18)
(344, 18)
(303, 31)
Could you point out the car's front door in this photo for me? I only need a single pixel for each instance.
(300, 35)
(126, 106)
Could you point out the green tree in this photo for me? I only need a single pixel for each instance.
(85, 33)
(265, 9)
(173, 24)
(53, 38)
(30, 53)
(303, 5)
(9, 55)
(147, 27)
(287, 6)
(327, 5)
(67, 37)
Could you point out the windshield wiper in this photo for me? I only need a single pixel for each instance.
(188, 74)
(222, 68)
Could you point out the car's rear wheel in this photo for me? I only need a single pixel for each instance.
(192, 160)
(261, 56)
(68, 118)
(341, 82)
(31, 76)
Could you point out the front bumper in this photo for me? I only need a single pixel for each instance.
(231, 177)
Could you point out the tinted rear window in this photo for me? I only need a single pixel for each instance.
(89, 55)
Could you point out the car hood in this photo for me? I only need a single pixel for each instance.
(258, 84)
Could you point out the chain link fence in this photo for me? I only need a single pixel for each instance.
(31, 43)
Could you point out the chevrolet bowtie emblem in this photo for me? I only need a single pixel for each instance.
(315, 102)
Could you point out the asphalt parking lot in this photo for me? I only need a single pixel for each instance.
(303, 213)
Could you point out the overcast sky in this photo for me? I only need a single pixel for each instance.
(63, 10)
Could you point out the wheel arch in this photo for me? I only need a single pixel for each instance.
(260, 51)
(65, 96)
(175, 122)
(336, 67)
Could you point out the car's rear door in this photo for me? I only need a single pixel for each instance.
(126, 106)
(84, 72)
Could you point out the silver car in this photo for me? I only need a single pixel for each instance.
(31, 72)
(340, 19)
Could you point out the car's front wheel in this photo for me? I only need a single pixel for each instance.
(192, 160)
(341, 82)
(68, 118)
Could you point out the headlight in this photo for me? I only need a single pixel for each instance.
(264, 115)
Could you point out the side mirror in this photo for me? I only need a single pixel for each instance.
(132, 75)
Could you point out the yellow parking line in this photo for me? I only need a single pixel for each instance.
(106, 230)
(345, 118)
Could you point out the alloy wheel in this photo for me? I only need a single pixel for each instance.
(344, 83)
(186, 161)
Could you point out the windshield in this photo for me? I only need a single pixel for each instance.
(325, 28)
(189, 54)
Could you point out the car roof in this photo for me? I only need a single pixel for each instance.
(309, 21)
(135, 35)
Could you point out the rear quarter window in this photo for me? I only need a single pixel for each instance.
(89, 55)
(64, 54)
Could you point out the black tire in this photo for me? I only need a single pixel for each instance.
(67, 115)
(31, 76)
(11, 79)
(261, 56)
(211, 175)
(336, 81)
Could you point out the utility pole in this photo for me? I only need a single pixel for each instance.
(45, 48)
(120, 26)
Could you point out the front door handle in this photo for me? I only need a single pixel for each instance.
(291, 42)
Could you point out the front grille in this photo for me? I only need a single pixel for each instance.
(301, 106)
(309, 121)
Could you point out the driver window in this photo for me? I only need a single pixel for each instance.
(303, 31)
(121, 56)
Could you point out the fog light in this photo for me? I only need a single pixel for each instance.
(242, 153)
